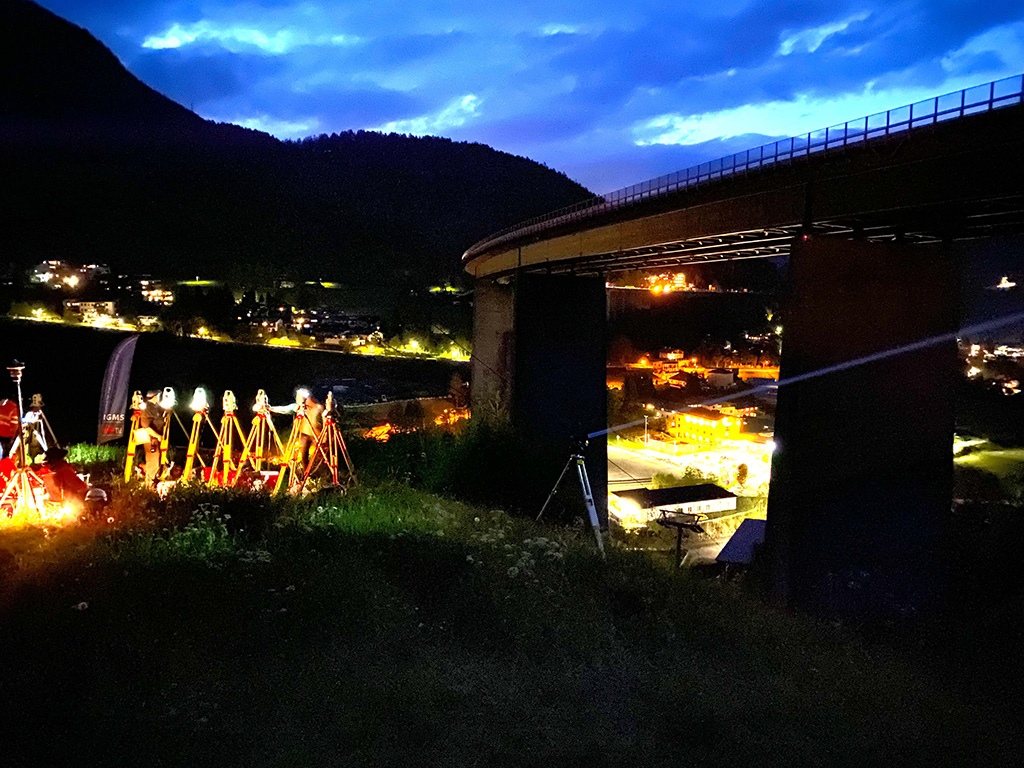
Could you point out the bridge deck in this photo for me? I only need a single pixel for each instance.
(950, 169)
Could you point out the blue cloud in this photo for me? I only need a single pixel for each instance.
(574, 86)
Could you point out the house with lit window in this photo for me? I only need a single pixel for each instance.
(644, 505)
(703, 426)
(721, 378)
(89, 310)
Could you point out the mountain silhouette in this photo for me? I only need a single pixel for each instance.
(98, 167)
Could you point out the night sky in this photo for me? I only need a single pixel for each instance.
(609, 92)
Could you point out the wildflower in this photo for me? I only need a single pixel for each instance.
(513, 572)
(469, 559)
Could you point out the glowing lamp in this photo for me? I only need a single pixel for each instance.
(199, 400)
(168, 399)
(262, 404)
(628, 513)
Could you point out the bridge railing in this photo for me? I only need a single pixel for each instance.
(950, 106)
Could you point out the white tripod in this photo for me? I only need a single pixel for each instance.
(576, 458)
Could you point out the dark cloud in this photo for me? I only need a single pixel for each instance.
(200, 76)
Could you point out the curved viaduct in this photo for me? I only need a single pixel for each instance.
(877, 216)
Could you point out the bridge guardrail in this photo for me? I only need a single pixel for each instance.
(950, 106)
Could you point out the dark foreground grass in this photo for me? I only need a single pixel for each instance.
(397, 628)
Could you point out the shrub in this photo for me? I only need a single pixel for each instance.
(483, 463)
(692, 476)
(102, 462)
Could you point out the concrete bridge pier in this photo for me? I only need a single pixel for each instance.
(540, 351)
(862, 474)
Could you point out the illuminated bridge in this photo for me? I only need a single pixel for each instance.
(878, 217)
(918, 173)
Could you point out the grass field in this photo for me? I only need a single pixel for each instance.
(393, 627)
(1002, 462)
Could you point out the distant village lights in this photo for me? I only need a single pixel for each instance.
(668, 282)
(94, 296)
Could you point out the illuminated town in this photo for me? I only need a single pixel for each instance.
(92, 295)
(511, 385)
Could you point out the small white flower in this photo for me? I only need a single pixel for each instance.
(513, 572)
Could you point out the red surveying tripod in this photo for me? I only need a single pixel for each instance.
(329, 446)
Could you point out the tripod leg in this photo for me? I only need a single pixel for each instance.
(282, 478)
(165, 442)
(8, 491)
(588, 497)
(46, 423)
(132, 445)
(193, 446)
(344, 454)
(248, 443)
(276, 436)
(334, 455)
(554, 489)
(316, 452)
(261, 438)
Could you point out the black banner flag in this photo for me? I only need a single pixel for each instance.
(114, 395)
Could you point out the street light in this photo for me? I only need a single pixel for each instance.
(645, 430)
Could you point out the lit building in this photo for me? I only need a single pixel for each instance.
(668, 282)
(155, 293)
(90, 310)
(641, 506)
(732, 410)
(703, 426)
(721, 378)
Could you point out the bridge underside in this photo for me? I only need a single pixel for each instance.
(986, 219)
(861, 485)
(862, 480)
